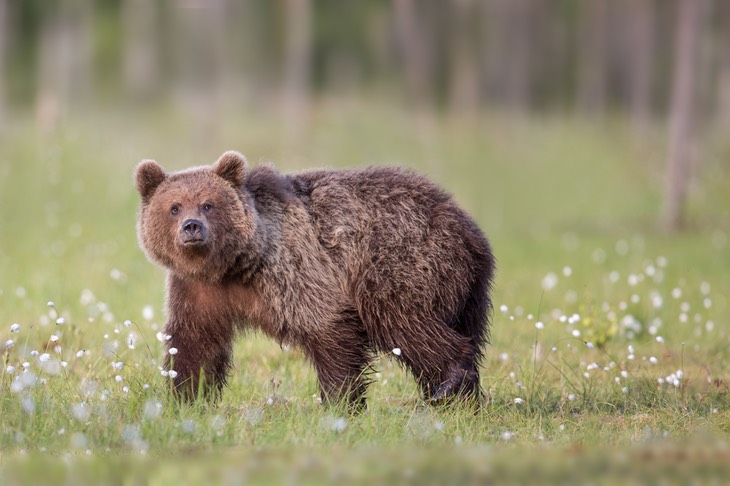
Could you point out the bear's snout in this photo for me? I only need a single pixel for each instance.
(193, 232)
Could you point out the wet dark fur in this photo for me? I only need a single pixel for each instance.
(343, 264)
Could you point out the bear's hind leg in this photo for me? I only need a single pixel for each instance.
(341, 357)
(443, 362)
(461, 380)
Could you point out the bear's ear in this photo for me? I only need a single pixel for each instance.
(232, 167)
(149, 175)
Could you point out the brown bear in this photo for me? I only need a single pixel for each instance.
(341, 263)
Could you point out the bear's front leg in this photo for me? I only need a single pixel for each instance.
(200, 344)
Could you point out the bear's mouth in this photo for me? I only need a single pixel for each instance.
(193, 242)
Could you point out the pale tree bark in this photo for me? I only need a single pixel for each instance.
(297, 67)
(3, 44)
(592, 58)
(412, 45)
(641, 55)
(681, 121)
(199, 63)
(506, 36)
(518, 63)
(722, 112)
(464, 82)
(141, 46)
(64, 70)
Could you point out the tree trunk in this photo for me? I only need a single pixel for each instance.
(199, 62)
(64, 71)
(681, 114)
(641, 21)
(506, 60)
(722, 112)
(141, 56)
(413, 50)
(3, 44)
(297, 66)
(592, 61)
(464, 82)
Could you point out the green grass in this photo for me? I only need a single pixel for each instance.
(570, 208)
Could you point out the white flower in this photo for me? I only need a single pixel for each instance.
(54, 338)
(659, 339)
(518, 401)
(162, 337)
(164, 372)
(9, 343)
(172, 351)
(117, 365)
(127, 323)
(589, 345)
(148, 312)
(549, 281)
(653, 360)
(44, 357)
(10, 369)
(172, 374)
(152, 409)
(60, 321)
(51, 304)
(80, 353)
(397, 351)
(576, 333)
(15, 327)
(571, 396)
(503, 308)
(567, 271)
(118, 378)
(506, 435)
(80, 411)
(338, 424)
(539, 325)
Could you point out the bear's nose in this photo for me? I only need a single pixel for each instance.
(193, 231)
(192, 226)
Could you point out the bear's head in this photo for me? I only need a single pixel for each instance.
(195, 222)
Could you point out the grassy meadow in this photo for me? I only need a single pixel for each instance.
(610, 339)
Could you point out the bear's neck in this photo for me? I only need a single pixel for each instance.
(254, 253)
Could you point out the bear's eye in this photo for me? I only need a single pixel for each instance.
(207, 207)
(175, 210)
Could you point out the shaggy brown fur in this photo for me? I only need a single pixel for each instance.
(343, 264)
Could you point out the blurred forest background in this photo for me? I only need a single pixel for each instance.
(587, 138)
(651, 61)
